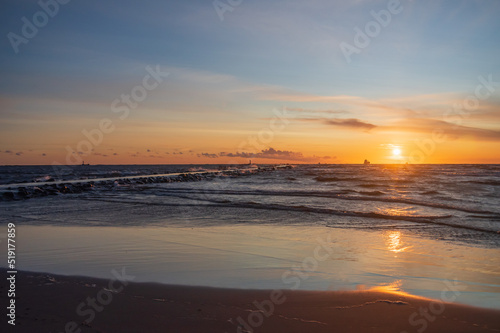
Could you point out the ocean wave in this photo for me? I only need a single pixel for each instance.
(338, 196)
(371, 192)
(338, 179)
(483, 182)
(423, 219)
(372, 185)
(430, 192)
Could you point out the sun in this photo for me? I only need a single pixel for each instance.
(396, 152)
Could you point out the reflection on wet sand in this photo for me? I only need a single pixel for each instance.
(394, 242)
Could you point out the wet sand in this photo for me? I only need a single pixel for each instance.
(53, 303)
(260, 257)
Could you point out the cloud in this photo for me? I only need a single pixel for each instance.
(282, 94)
(272, 153)
(428, 105)
(453, 131)
(351, 123)
(420, 122)
(302, 110)
(208, 155)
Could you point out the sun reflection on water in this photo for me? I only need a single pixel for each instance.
(394, 287)
(394, 242)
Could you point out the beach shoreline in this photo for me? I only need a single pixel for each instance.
(249, 256)
(56, 303)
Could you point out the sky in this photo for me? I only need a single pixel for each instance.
(226, 81)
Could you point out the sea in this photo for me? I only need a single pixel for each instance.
(417, 229)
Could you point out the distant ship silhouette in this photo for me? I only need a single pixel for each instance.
(366, 162)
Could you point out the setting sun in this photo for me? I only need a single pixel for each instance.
(396, 152)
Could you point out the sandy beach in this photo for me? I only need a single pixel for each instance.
(54, 303)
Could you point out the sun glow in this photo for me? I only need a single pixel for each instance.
(396, 152)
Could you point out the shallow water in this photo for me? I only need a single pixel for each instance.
(266, 257)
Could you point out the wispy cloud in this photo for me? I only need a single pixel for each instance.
(296, 96)
(453, 131)
(350, 123)
(303, 110)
